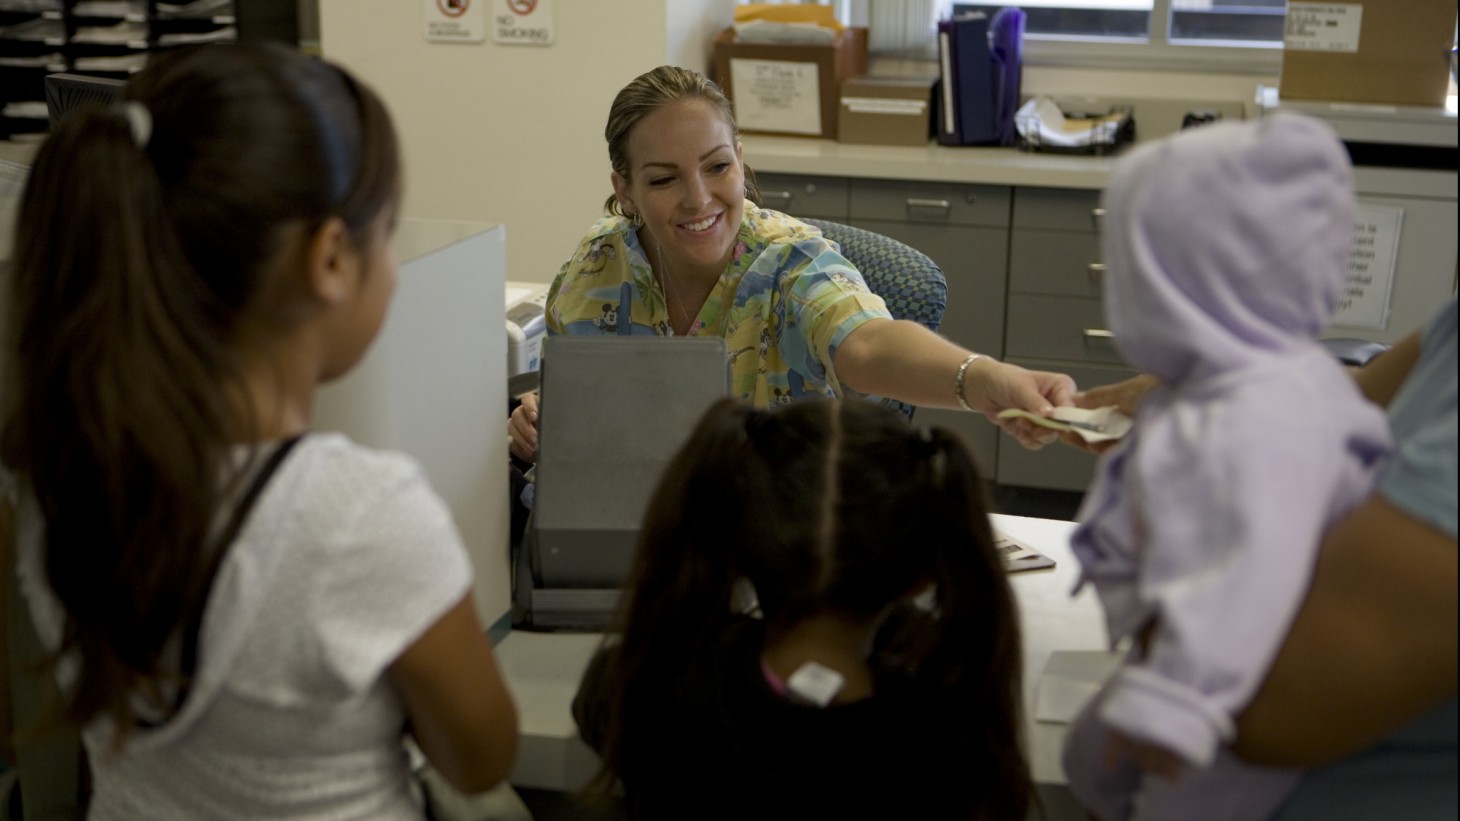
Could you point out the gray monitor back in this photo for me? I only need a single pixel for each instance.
(614, 412)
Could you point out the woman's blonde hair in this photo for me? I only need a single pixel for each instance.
(646, 94)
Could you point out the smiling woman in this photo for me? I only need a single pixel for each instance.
(686, 251)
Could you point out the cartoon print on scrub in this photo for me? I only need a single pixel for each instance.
(598, 255)
(609, 319)
(757, 292)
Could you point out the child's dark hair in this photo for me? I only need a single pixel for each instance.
(833, 507)
(142, 262)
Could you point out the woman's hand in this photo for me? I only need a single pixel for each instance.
(999, 386)
(522, 429)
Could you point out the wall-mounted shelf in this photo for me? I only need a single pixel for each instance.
(112, 38)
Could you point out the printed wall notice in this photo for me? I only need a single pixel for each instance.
(1365, 302)
(522, 22)
(1323, 27)
(776, 95)
(455, 21)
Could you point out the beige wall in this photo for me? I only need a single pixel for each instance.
(514, 134)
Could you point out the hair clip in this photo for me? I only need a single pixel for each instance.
(815, 684)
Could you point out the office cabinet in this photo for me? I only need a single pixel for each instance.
(804, 196)
(964, 229)
(1056, 319)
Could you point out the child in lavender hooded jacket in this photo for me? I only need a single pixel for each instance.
(1226, 249)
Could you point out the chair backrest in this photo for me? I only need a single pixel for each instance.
(912, 285)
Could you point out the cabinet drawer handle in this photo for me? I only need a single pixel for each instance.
(1096, 270)
(1096, 215)
(942, 205)
(1098, 333)
(783, 196)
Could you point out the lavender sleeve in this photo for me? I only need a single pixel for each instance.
(1230, 533)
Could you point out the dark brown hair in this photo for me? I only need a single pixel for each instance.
(139, 266)
(825, 507)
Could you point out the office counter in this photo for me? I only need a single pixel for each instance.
(543, 669)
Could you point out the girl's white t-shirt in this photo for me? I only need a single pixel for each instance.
(346, 559)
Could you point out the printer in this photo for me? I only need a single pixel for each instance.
(526, 326)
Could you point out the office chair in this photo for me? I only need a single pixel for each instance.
(912, 285)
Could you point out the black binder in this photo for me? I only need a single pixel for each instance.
(967, 94)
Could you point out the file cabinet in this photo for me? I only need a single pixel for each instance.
(1056, 319)
(964, 229)
(805, 196)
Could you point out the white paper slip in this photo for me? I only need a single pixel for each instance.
(1070, 679)
(1092, 424)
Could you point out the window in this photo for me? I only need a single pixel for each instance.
(1253, 21)
(1232, 35)
(1191, 21)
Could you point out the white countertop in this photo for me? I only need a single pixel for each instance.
(931, 162)
(543, 669)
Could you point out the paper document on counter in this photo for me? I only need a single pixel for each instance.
(1019, 556)
(764, 31)
(1041, 122)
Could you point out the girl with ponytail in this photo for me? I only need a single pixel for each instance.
(818, 625)
(238, 629)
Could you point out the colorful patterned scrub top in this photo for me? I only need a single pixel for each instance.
(784, 304)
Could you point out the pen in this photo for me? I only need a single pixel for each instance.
(1090, 426)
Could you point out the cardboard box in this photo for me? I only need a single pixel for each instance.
(886, 110)
(1394, 52)
(788, 89)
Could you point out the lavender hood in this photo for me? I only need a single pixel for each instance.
(1226, 244)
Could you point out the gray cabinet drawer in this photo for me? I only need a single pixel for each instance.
(1059, 327)
(1066, 209)
(1055, 262)
(1056, 466)
(936, 203)
(802, 195)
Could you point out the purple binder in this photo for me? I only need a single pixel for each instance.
(968, 96)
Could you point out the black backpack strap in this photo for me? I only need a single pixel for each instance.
(189, 660)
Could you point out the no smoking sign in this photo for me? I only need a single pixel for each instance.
(522, 22)
(455, 21)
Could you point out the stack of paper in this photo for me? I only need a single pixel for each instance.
(1040, 122)
(766, 31)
